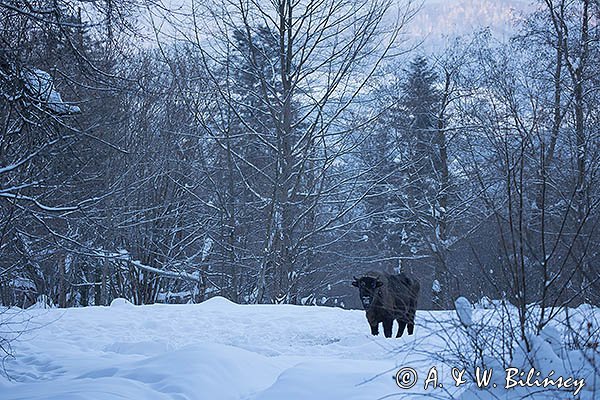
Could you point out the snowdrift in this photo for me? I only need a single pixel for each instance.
(219, 350)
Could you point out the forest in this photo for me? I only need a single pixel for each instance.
(269, 151)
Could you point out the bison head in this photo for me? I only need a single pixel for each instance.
(367, 287)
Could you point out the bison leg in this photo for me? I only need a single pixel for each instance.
(374, 328)
(411, 322)
(387, 327)
(401, 326)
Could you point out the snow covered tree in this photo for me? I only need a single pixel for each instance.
(407, 158)
(289, 78)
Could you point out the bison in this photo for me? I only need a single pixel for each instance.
(386, 298)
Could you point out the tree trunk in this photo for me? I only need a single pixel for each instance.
(62, 289)
(103, 287)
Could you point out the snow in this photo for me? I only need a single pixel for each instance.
(213, 350)
(222, 350)
(40, 85)
(208, 243)
(120, 303)
(435, 286)
(464, 309)
(23, 284)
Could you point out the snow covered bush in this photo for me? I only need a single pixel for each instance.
(490, 340)
(39, 86)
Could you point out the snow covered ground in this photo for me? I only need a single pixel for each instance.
(216, 350)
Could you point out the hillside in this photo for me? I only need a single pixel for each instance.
(438, 21)
(435, 23)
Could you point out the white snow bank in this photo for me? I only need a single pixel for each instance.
(119, 302)
(333, 379)
(220, 350)
(214, 350)
(464, 309)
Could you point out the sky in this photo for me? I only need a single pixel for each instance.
(436, 23)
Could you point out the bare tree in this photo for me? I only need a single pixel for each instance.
(302, 65)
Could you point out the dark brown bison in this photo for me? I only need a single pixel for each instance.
(386, 298)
